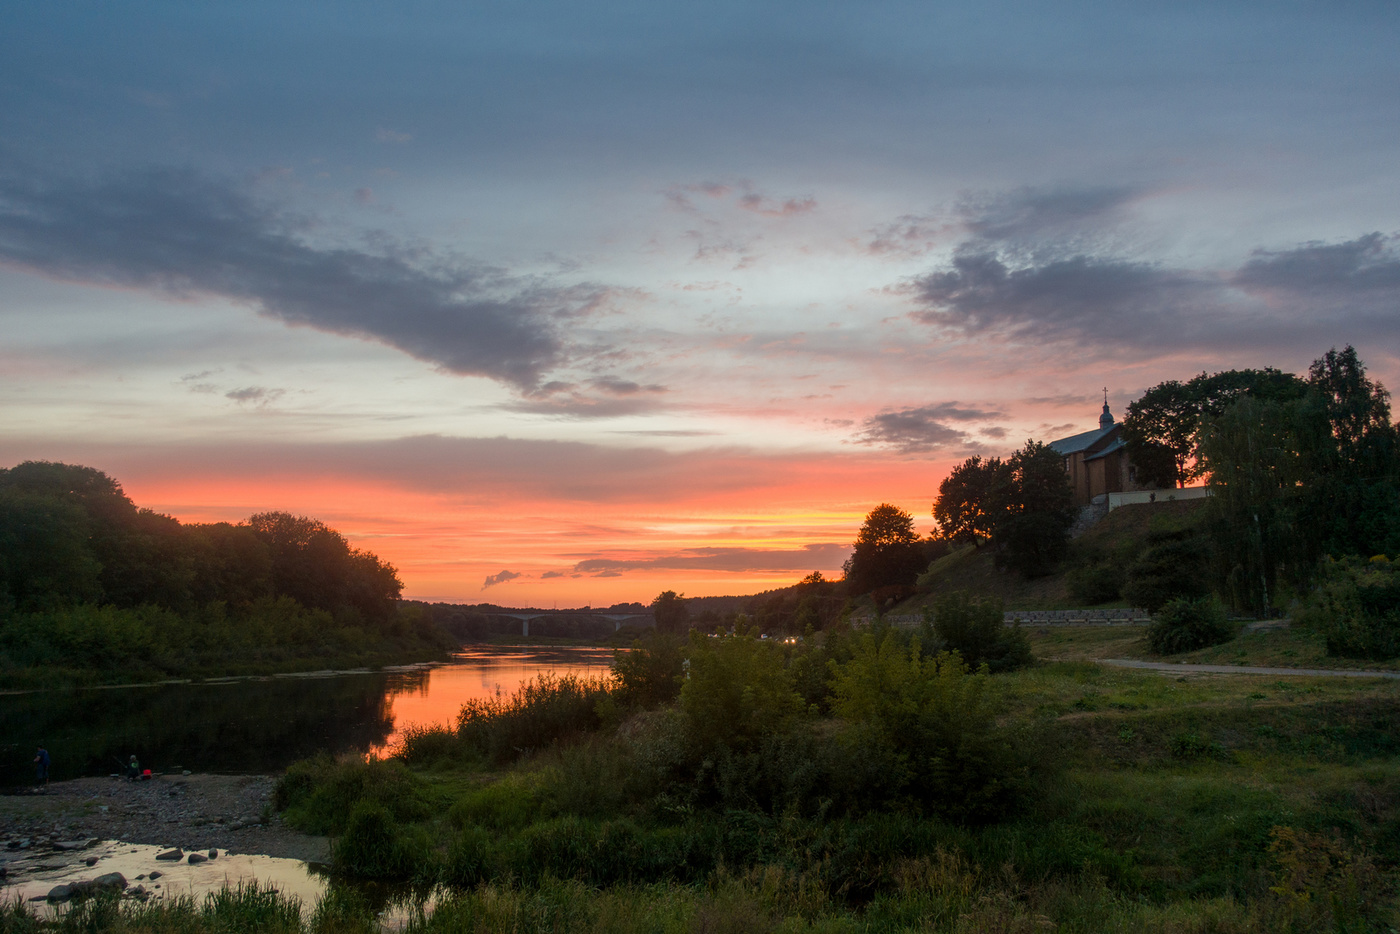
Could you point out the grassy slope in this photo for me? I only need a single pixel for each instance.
(1122, 534)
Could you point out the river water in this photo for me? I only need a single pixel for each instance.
(260, 725)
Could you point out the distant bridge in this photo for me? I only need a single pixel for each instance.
(644, 620)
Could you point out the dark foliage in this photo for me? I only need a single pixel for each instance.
(1184, 625)
(1356, 606)
(976, 630)
(1096, 583)
(1024, 505)
(887, 552)
(670, 612)
(650, 673)
(1174, 565)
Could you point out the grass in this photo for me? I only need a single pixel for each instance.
(1267, 648)
(1282, 648)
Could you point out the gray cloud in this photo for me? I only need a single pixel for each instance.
(183, 234)
(550, 575)
(493, 579)
(915, 430)
(259, 394)
(604, 397)
(1368, 266)
(1030, 214)
(1085, 299)
(820, 557)
(1041, 265)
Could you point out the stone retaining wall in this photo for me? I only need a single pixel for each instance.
(1119, 617)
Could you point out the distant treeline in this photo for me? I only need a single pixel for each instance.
(91, 583)
(473, 622)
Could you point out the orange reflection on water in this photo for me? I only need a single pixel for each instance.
(433, 696)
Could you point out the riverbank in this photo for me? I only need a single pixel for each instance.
(193, 812)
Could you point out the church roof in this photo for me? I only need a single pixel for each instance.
(1080, 442)
(1117, 444)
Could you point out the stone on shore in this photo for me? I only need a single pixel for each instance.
(196, 858)
(174, 855)
(60, 893)
(111, 880)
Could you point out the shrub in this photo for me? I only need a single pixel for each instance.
(738, 691)
(1184, 625)
(1173, 566)
(319, 794)
(542, 711)
(1356, 607)
(977, 631)
(650, 674)
(926, 728)
(1098, 583)
(371, 847)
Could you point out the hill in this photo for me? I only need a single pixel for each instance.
(1116, 539)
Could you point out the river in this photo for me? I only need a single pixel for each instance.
(260, 725)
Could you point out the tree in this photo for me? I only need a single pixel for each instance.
(965, 510)
(887, 551)
(1251, 455)
(45, 560)
(670, 611)
(315, 565)
(1162, 428)
(1160, 433)
(1024, 505)
(1036, 513)
(1352, 456)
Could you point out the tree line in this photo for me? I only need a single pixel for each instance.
(93, 588)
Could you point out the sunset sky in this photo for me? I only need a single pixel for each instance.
(572, 303)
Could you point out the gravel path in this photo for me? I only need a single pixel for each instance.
(1246, 669)
(195, 812)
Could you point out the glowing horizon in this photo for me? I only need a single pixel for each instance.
(611, 300)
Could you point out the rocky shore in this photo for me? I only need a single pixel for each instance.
(194, 812)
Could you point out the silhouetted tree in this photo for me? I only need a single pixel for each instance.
(670, 611)
(968, 499)
(887, 552)
(1032, 532)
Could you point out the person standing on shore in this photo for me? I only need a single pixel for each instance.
(41, 767)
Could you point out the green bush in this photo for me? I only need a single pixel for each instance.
(738, 691)
(650, 673)
(317, 795)
(1097, 583)
(371, 846)
(1356, 607)
(1184, 625)
(541, 712)
(1173, 566)
(925, 731)
(977, 631)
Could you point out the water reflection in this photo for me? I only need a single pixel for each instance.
(261, 725)
(480, 673)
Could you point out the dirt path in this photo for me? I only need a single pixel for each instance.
(1245, 669)
(195, 812)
